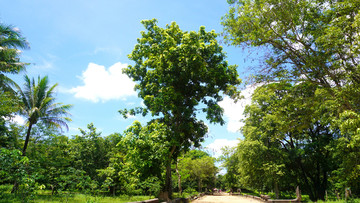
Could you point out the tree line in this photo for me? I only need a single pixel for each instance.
(118, 164)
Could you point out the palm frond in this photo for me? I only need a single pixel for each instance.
(40, 105)
(6, 84)
(11, 37)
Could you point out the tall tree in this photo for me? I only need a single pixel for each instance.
(10, 43)
(314, 41)
(179, 74)
(38, 105)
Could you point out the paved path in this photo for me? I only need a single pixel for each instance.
(224, 199)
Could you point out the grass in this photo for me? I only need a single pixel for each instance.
(304, 198)
(76, 198)
(79, 198)
(340, 201)
(45, 196)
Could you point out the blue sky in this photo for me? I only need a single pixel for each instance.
(83, 44)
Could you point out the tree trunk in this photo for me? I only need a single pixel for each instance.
(168, 188)
(276, 190)
(27, 139)
(179, 178)
(200, 185)
(168, 185)
(15, 187)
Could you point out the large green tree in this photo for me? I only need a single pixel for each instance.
(180, 74)
(316, 41)
(309, 41)
(38, 105)
(287, 132)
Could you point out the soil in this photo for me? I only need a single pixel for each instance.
(224, 199)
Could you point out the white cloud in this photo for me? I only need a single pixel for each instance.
(234, 111)
(19, 120)
(16, 29)
(216, 146)
(104, 85)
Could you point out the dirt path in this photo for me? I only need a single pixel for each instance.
(224, 199)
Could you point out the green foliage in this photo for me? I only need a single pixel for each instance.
(14, 169)
(111, 174)
(10, 41)
(89, 151)
(229, 162)
(306, 38)
(315, 45)
(147, 149)
(8, 107)
(197, 169)
(177, 71)
(283, 142)
(12, 165)
(151, 186)
(179, 74)
(128, 164)
(307, 44)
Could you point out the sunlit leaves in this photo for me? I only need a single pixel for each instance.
(178, 71)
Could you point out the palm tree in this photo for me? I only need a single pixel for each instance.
(10, 43)
(38, 105)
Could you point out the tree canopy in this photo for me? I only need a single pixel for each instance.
(315, 41)
(177, 71)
